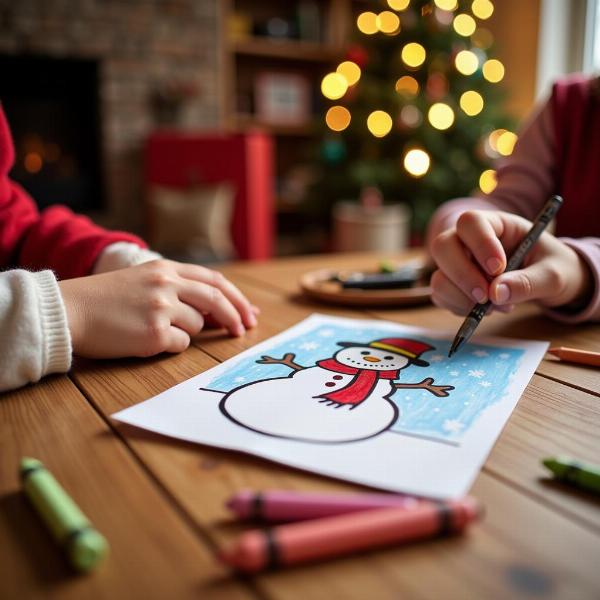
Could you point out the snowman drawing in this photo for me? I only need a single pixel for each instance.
(341, 399)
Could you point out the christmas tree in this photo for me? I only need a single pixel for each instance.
(416, 109)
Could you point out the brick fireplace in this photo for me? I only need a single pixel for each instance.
(156, 63)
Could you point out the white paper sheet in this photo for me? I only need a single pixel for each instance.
(322, 396)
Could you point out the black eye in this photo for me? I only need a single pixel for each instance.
(365, 352)
(388, 357)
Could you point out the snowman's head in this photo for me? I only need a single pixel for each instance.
(383, 354)
(364, 357)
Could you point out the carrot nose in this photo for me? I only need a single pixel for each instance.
(372, 359)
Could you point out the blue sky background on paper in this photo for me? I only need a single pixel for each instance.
(480, 374)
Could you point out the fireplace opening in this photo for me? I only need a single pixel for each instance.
(53, 110)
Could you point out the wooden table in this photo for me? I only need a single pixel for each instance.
(160, 501)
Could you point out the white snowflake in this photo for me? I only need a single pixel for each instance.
(480, 353)
(466, 403)
(452, 425)
(436, 410)
(437, 358)
(477, 373)
(308, 346)
(504, 355)
(239, 379)
(326, 332)
(454, 373)
(485, 384)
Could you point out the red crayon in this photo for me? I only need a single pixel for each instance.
(342, 534)
(286, 505)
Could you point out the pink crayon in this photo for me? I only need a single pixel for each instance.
(281, 506)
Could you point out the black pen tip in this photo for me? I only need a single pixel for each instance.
(456, 344)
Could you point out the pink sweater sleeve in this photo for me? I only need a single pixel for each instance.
(525, 181)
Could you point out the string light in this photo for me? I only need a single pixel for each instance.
(338, 118)
(398, 4)
(379, 123)
(349, 70)
(464, 25)
(388, 22)
(487, 181)
(411, 116)
(482, 38)
(416, 162)
(466, 62)
(407, 86)
(334, 86)
(506, 143)
(471, 102)
(482, 9)
(446, 4)
(493, 138)
(367, 23)
(493, 70)
(33, 162)
(413, 55)
(440, 115)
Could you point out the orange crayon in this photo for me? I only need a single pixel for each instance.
(342, 534)
(583, 357)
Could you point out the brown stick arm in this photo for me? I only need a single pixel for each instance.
(427, 384)
(287, 360)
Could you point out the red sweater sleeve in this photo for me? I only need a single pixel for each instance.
(55, 239)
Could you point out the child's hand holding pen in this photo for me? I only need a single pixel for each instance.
(472, 256)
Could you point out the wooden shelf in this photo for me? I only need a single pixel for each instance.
(244, 122)
(287, 49)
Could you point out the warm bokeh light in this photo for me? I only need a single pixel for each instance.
(33, 162)
(367, 23)
(350, 70)
(466, 62)
(482, 9)
(416, 162)
(487, 181)
(471, 102)
(379, 123)
(506, 143)
(493, 70)
(388, 22)
(338, 118)
(334, 86)
(407, 86)
(52, 152)
(440, 115)
(411, 116)
(413, 54)
(493, 138)
(482, 38)
(464, 25)
(398, 4)
(446, 4)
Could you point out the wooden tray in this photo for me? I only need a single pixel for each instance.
(318, 285)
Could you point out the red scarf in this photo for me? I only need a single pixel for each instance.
(360, 386)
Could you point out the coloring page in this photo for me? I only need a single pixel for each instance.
(370, 401)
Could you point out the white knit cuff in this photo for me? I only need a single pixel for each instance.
(121, 255)
(56, 338)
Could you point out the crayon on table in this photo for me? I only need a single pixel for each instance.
(576, 472)
(308, 541)
(85, 547)
(282, 505)
(582, 357)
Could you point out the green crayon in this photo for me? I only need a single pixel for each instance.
(583, 475)
(85, 547)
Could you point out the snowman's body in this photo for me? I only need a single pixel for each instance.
(293, 407)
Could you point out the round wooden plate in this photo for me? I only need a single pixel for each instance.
(318, 285)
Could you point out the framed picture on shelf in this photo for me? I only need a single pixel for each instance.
(282, 98)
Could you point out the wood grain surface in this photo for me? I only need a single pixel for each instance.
(160, 501)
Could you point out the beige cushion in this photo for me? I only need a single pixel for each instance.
(192, 222)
